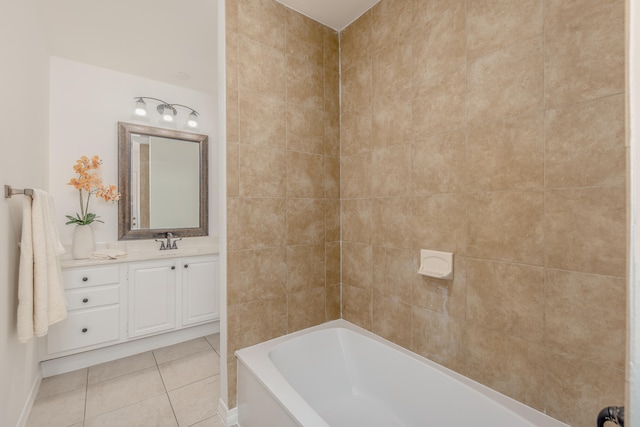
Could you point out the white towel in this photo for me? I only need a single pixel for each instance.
(41, 300)
(108, 254)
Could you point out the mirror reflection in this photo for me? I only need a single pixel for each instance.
(164, 176)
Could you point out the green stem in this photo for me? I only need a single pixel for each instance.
(81, 204)
(86, 209)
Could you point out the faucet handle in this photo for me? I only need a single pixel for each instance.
(162, 245)
(174, 245)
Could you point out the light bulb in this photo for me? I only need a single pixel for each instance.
(141, 108)
(193, 120)
(168, 113)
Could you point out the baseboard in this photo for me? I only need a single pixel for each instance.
(28, 404)
(229, 416)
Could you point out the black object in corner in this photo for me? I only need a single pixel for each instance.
(615, 414)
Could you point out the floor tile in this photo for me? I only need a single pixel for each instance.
(197, 401)
(61, 410)
(189, 369)
(131, 392)
(214, 340)
(183, 349)
(62, 383)
(214, 421)
(116, 368)
(125, 390)
(155, 412)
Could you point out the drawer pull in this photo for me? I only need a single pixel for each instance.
(85, 300)
(173, 267)
(84, 330)
(85, 278)
(186, 266)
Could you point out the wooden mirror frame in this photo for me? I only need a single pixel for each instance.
(124, 174)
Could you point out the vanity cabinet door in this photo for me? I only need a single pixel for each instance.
(199, 290)
(152, 297)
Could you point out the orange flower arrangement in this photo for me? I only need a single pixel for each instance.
(89, 182)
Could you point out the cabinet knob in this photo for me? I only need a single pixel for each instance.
(173, 267)
(186, 266)
(85, 300)
(84, 279)
(84, 330)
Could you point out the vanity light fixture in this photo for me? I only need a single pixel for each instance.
(192, 121)
(141, 108)
(166, 110)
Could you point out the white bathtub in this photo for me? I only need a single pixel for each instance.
(339, 375)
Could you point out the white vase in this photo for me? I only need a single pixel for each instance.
(83, 243)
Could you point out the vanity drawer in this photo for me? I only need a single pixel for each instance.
(94, 276)
(89, 297)
(84, 328)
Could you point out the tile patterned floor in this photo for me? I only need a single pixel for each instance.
(170, 386)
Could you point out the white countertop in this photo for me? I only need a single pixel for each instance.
(145, 250)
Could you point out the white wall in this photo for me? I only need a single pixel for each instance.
(86, 104)
(222, 205)
(23, 153)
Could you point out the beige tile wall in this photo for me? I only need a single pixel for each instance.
(490, 128)
(283, 174)
(493, 129)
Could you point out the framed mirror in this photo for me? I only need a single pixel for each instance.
(163, 181)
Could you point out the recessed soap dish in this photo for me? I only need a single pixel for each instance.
(436, 264)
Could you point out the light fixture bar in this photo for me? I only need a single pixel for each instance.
(166, 110)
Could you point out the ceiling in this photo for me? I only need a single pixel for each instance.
(165, 40)
(336, 14)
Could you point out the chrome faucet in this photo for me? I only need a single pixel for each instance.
(169, 244)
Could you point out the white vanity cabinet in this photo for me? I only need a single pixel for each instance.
(123, 301)
(171, 293)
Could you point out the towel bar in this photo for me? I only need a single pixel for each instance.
(8, 191)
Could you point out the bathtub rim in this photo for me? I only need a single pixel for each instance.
(256, 360)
